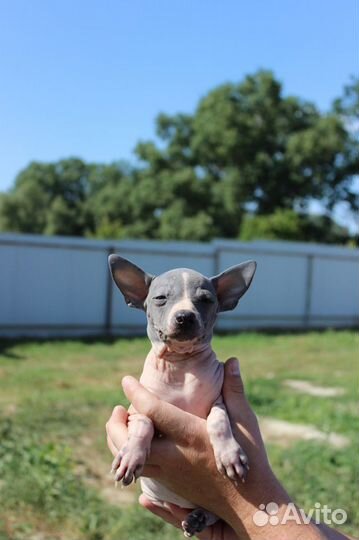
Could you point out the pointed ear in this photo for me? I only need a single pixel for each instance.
(133, 282)
(232, 284)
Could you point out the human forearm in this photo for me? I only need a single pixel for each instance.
(183, 460)
(249, 520)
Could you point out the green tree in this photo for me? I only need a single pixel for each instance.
(285, 224)
(347, 109)
(248, 146)
(248, 161)
(47, 198)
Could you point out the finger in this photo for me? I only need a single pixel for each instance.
(233, 389)
(168, 419)
(242, 417)
(159, 511)
(173, 514)
(178, 512)
(116, 426)
(112, 447)
(119, 414)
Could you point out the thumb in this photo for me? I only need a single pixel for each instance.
(233, 389)
(232, 377)
(116, 428)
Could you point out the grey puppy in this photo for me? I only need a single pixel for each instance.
(181, 368)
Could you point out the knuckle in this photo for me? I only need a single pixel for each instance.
(188, 437)
(150, 407)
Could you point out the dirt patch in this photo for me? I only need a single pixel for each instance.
(313, 390)
(38, 529)
(287, 433)
(95, 471)
(10, 409)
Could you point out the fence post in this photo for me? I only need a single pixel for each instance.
(308, 290)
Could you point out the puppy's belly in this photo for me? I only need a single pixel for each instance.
(157, 492)
(194, 393)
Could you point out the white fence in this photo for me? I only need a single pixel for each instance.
(58, 286)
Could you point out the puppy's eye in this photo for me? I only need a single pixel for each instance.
(206, 298)
(160, 300)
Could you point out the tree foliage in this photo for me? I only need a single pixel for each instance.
(247, 163)
(285, 224)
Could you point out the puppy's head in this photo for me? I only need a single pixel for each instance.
(181, 305)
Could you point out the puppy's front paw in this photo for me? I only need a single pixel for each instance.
(232, 461)
(128, 464)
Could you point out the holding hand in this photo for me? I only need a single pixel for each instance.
(182, 459)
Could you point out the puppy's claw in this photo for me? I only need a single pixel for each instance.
(115, 464)
(187, 534)
(232, 462)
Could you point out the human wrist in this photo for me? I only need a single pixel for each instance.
(249, 518)
(247, 501)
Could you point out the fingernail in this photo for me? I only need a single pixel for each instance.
(128, 382)
(235, 370)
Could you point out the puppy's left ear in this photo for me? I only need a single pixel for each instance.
(233, 283)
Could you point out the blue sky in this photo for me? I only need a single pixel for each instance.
(87, 78)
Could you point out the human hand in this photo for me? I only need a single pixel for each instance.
(183, 460)
(175, 515)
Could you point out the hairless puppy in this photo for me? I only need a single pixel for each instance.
(181, 307)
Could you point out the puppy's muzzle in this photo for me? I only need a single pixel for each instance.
(185, 319)
(185, 325)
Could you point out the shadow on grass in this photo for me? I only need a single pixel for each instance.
(6, 352)
(8, 344)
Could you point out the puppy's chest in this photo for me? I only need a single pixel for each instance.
(193, 390)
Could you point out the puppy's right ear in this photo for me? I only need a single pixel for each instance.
(133, 282)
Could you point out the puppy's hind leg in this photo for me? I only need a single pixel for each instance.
(197, 520)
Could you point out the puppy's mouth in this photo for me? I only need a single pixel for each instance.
(182, 337)
(179, 343)
(184, 347)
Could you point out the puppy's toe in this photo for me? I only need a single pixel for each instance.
(233, 462)
(194, 523)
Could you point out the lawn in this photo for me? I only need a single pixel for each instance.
(55, 397)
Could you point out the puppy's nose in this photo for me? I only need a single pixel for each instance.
(185, 318)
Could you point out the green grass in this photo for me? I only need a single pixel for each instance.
(55, 397)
